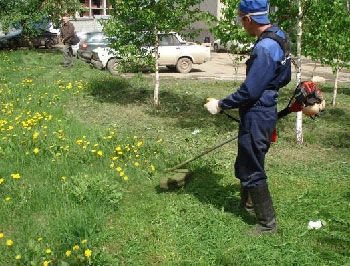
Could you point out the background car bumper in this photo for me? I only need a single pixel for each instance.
(96, 63)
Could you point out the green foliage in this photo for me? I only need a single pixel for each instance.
(136, 23)
(134, 64)
(26, 14)
(227, 30)
(324, 39)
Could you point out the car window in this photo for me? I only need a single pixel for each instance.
(168, 40)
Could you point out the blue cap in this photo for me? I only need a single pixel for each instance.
(258, 10)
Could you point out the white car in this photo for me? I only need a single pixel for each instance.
(238, 47)
(174, 53)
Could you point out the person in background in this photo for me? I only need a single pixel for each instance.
(267, 70)
(66, 34)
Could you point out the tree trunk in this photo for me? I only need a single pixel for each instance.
(299, 121)
(335, 91)
(156, 87)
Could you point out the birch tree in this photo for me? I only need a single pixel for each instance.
(327, 39)
(136, 23)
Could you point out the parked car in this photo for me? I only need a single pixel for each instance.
(174, 53)
(91, 41)
(238, 47)
(14, 39)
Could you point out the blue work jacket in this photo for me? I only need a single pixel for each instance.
(268, 69)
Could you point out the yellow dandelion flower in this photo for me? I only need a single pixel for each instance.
(68, 253)
(152, 167)
(88, 253)
(18, 257)
(136, 164)
(79, 141)
(46, 263)
(8, 198)
(160, 140)
(84, 241)
(100, 153)
(125, 177)
(118, 169)
(40, 239)
(2, 180)
(139, 143)
(48, 251)
(76, 247)
(121, 173)
(35, 135)
(15, 176)
(9, 242)
(1, 235)
(118, 148)
(36, 150)
(63, 178)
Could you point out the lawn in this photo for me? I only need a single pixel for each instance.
(82, 153)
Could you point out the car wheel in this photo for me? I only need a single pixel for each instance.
(184, 65)
(49, 43)
(216, 47)
(112, 66)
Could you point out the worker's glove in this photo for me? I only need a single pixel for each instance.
(212, 106)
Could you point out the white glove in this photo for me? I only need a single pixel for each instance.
(213, 106)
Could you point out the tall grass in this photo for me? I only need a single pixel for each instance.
(81, 154)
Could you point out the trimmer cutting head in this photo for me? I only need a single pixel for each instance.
(175, 179)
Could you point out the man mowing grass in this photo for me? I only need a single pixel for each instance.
(268, 70)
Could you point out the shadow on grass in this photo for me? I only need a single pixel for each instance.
(204, 185)
(176, 102)
(53, 50)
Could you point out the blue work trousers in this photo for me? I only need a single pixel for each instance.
(254, 139)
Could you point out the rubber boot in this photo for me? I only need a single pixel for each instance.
(246, 201)
(264, 210)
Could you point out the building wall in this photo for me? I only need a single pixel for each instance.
(214, 8)
(95, 7)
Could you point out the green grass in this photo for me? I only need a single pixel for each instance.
(89, 149)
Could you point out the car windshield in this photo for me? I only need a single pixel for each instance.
(97, 37)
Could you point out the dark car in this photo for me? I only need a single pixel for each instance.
(92, 40)
(15, 39)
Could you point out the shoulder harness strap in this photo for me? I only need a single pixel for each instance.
(284, 43)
